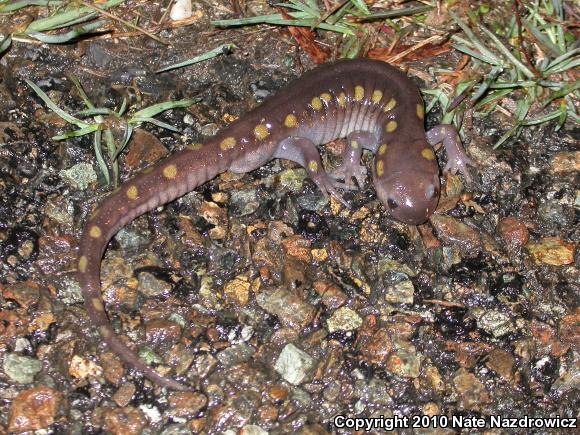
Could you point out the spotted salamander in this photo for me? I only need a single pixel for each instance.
(374, 105)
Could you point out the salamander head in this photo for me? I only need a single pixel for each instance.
(410, 196)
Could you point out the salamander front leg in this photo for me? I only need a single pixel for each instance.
(351, 165)
(304, 152)
(457, 159)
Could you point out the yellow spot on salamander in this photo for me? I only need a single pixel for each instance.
(391, 126)
(382, 149)
(428, 154)
(390, 105)
(104, 331)
(342, 100)
(132, 193)
(313, 166)
(325, 96)
(291, 121)
(420, 111)
(354, 144)
(261, 132)
(316, 103)
(97, 304)
(228, 143)
(83, 262)
(380, 168)
(95, 232)
(170, 172)
(377, 96)
(195, 146)
(359, 93)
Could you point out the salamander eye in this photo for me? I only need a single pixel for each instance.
(392, 203)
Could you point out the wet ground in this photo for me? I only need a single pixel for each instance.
(283, 309)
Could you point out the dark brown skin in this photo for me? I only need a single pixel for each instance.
(373, 105)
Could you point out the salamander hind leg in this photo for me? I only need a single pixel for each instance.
(351, 159)
(457, 159)
(304, 152)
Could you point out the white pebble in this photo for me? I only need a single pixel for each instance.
(181, 10)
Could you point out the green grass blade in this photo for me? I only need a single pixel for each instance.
(91, 128)
(95, 111)
(151, 111)
(222, 49)
(475, 40)
(5, 44)
(100, 159)
(68, 36)
(68, 18)
(157, 123)
(14, 6)
(68, 118)
(507, 53)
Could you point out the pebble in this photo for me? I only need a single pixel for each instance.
(494, 322)
(144, 149)
(471, 392)
(79, 176)
(81, 368)
(34, 409)
(513, 233)
(376, 347)
(331, 295)
(405, 361)
(457, 234)
(244, 202)
(569, 330)
(21, 369)
(343, 319)
(289, 308)
(238, 290)
(400, 293)
(565, 163)
(126, 421)
(294, 365)
(502, 363)
(181, 10)
(186, 404)
(124, 394)
(552, 251)
(235, 354)
(162, 331)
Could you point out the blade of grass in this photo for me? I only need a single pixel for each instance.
(99, 156)
(393, 14)
(507, 53)
(157, 123)
(126, 138)
(278, 20)
(474, 39)
(14, 6)
(222, 49)
(95, 111)
(68, 36)
(542, 39)
(65, 19)
(91, 128)
(68, 118)
(5, 44)
(155, 109)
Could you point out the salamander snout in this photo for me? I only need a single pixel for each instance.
(409, 197)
